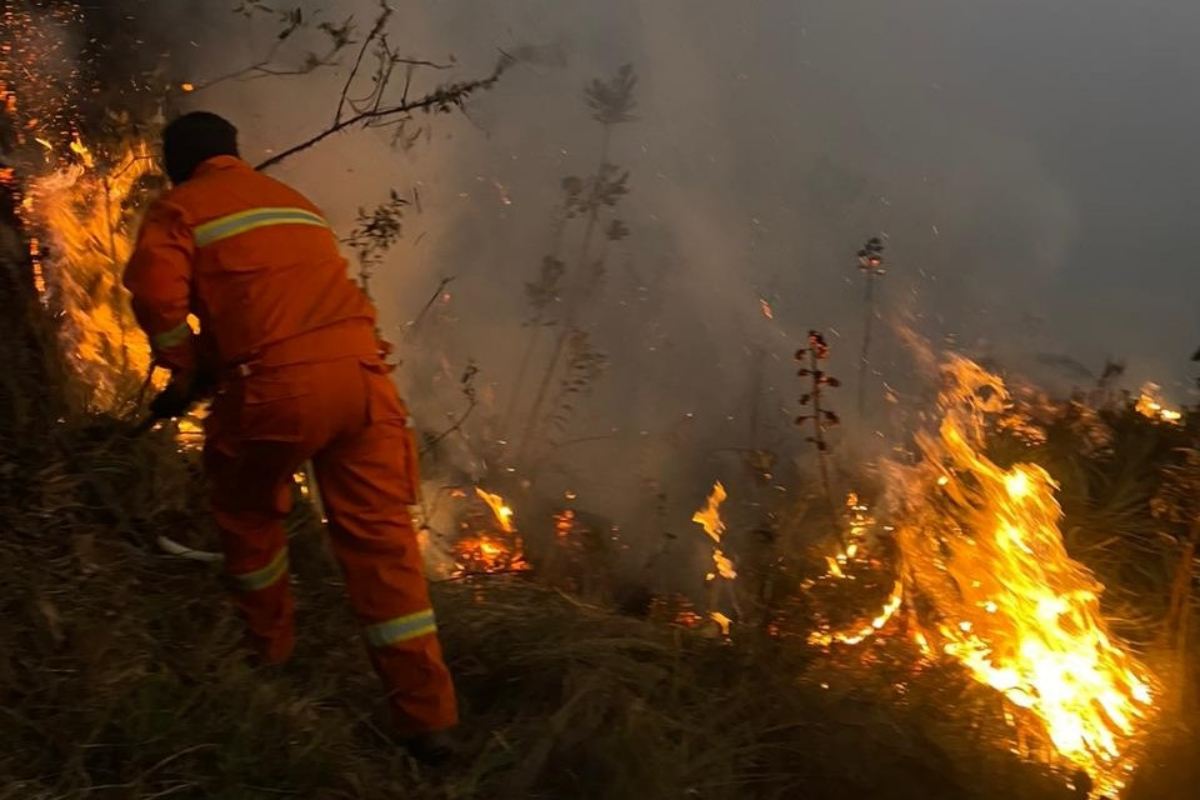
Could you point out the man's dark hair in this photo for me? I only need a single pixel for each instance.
(192, 139)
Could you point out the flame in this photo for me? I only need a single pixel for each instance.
(190, 436)
(1149, 404)
(981, 547)
(80, 149)
(84, 208)
(489, 549)
(483, 554)
(564, 524)
(503, 513)
(859, 634)
(723, 622)
(709, 518)
(859, 522)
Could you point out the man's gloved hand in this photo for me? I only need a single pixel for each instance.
(175, 399)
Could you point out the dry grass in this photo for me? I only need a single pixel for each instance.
(121, 675)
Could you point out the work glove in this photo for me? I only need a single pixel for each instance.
(175, 399)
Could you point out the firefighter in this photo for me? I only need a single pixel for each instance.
(287, 349)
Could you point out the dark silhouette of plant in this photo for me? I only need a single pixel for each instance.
(612, 102)
(291, 21)
(375, 232)
(541, 295)
(870, 263)
(583, 367)
(1177, 505)
(571, 288)
(466, 384)
(819, 417)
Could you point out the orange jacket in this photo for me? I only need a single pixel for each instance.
(257, 264)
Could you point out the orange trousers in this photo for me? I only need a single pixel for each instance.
(345, 415)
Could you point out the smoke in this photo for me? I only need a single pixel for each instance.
(772, 138)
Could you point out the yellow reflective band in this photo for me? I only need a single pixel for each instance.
(254, 218)
(401, 629)
(267, 576)
(168, 339)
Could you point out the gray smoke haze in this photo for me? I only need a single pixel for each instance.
(1029, 164)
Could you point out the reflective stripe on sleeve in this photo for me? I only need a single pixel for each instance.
(265, 577)
(252, 219)
(168, 339)
(401, 629)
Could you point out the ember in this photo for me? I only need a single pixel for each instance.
(1150, 404)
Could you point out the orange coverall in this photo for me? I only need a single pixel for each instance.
(292, 341)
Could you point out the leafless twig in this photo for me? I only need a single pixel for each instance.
(467, 382)
(441, 100)
(433, 298)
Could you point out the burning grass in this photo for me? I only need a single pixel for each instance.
(121, 673)
(984, 580)
(89, 212)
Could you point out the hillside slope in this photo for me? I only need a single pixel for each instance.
(121, 674)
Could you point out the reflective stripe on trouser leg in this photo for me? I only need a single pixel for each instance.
(367, 485)
(401, 629)
(264, 598)
(260, 579)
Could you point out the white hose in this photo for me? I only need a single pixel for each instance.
(174, 548)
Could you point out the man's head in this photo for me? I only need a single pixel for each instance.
(192, 139)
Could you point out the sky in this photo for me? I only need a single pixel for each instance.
(1029, 165)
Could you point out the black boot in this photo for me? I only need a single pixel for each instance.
(432, 749)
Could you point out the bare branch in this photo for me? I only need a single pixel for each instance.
(385, 14)
(432, 442)
(467, 382)
(339, 39)
(441, 100)
(441, 287)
